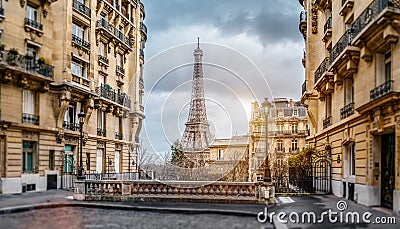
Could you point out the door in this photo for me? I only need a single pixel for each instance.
(99, 161)
(2, 156)
(387, 169)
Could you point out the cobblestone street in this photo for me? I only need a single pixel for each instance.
(79, 217)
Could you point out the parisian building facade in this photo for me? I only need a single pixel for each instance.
(287, 131)
(58, 59)
(351, 92)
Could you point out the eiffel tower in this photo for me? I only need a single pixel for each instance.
(197, 137)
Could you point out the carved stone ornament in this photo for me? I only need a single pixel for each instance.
(100, 144)
(314, 18)
(30, 136)
(69, 140)
(22, 3)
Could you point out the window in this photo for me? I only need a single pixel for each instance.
(87, 161)
(29, 157)
(294, 128)
(294, 145)
(32, 13)
(51, 159)
(101, 123)
(388, 66)
(328, 105)
(102, 49)
(78, 31)
(71, 117)
(352, 159)
(119, 60)
(280, 113)
(79, 68)
(295, 112)
(68, 159)
(32, 51)
(99, 160)
(280, 128)
(220, 154)
(280, 145)
(348, 91)
(383, 68)
(117, 160)
(29, 107)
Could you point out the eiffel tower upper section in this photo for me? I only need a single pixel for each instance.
(197, 136)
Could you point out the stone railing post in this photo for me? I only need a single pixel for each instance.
(79, 191)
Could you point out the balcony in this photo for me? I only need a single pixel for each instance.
(118, 136)
(80, 80)
(347, 110)
(81, 8)
(323, 4)
(2, 14)
(33, 24)
(380, 97)
(327, 30)
(303, 24)
(120, 71)
(103, 60)
(71, 126)
(327, 122)
(381, 90)
(347, 6)
(304, 88)
(80, 42)
(322, 68)
(13, 59)
(30, 119)
(375, 26)
(142, 54)
(344, 57)
(101, 132)
(114, 32)
(143, 28)
(107, 92)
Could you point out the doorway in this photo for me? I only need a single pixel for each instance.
(387, 169)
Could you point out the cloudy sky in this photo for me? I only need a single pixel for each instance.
(252, 49)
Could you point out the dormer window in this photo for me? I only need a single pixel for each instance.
(295, 112)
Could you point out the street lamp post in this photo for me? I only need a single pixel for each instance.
(81, 171)
(267, 172)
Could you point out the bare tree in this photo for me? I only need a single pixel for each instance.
(144, 158)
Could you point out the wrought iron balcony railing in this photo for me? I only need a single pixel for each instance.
(28, 63)
(101, 132)
(114, 31)
(34, 24)
(303, 16)
(381, 90)
(30, 118)
(327, 122)
(371, 12)
(82, 8)
(120, 70)
(347, 110)
(118, 136)
(143, 27)
(103, 59)
(341, 45)
(71, 126)
(323, 67)
(109, 93)
(328, 24)
(79, 41)
(142, 53)
(304, 88)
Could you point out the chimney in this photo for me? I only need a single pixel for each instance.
(291, 103)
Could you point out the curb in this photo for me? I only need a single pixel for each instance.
(23, 208)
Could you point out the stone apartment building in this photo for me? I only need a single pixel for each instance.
(351, 92)
(229, 158)
(287, 131)
(60, 58)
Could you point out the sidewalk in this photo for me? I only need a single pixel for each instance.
(320, 204)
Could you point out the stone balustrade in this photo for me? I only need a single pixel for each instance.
(145, 190)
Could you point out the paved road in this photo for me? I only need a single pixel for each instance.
(78, 217)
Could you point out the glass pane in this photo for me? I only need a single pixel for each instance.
(29, 164)
(388, 71)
